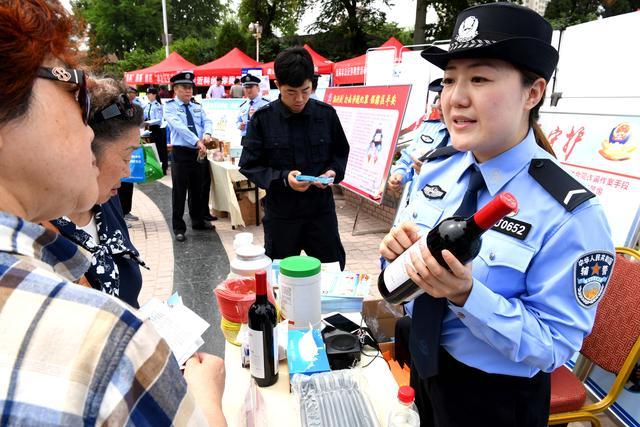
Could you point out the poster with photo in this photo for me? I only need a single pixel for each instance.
(223, 112)
(602, 152)
(371, 117)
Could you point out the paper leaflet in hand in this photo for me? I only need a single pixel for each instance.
(180, 327)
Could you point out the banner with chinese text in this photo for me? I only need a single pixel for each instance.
(371, 117)
(602, 153)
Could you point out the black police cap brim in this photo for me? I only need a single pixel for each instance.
(525, 52)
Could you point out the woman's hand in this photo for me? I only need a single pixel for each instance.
(398, 240)
(437, 281)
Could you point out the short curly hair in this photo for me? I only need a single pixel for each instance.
(30, 31)
(105, 92)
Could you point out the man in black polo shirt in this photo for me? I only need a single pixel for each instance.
(295, 135)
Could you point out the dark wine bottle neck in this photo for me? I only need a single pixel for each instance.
(261, 298)
(473, 229)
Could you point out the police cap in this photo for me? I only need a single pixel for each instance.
(436, 85)
(250, 80)
(183, 78)
(152, 90)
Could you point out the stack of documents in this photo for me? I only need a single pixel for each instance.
(180, 327)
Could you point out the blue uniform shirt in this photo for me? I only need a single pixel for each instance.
(528, 309)
(246, 112)
(430, 135)
(153, 111)
(176, 117)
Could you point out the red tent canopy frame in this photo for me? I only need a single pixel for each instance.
(351, 71)
(321, 65)
(228, 67)
(159, 73)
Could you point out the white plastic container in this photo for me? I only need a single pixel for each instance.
(299, 282)
(249, 259)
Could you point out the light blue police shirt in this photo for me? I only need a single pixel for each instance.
(529, 308)
(176, 117)
(153, 111)
(428, 137)
(245, 107)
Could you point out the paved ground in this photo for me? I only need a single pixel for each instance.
(194, 267)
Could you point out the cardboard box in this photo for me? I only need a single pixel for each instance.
(381, 316)
(248, 210)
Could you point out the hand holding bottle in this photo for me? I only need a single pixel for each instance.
(398, 240)
(454, 284)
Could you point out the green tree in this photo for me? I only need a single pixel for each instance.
(197, 18)
(563, 13)
(353, 19)
(135, 59)
(275, 16)
(195, 50)
(230, 35)
(119, 26)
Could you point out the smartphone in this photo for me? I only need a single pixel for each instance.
(338, 321)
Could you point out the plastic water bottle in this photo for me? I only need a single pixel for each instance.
(404, 413)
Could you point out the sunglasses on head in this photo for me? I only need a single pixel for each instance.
(121, 108)
(73, 76)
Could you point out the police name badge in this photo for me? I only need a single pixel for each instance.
(591, 273)
(433, 192)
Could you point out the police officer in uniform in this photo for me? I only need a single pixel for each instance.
(432, 134)
(251, 87)
(485, 336)
(190, 130)
(153, 111)
(290, 136)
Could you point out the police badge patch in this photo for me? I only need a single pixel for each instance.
(433, 192)
(591, 275)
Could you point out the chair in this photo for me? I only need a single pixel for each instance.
(613, 345)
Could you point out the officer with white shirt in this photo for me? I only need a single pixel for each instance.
(190, 129)
(485, 336)
(251, 87)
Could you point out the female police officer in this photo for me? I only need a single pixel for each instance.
(525, 304)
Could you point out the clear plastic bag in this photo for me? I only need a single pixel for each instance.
(333, 399)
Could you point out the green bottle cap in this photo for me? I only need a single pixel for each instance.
(300, 266)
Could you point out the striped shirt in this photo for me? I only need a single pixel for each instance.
(70, 355)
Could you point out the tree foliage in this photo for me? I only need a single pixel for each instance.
(353, 19)
(563, 13)
(196, 18)
(119, 26)
(228, 36)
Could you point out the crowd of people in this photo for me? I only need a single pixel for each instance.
(481, 340)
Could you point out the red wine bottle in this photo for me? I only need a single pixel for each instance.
(461, 236)
(263, 341)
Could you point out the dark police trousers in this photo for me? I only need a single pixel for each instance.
(187, 176)
(462, 396)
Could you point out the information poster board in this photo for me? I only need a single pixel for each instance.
(602, 151)
(371, 117)
(223, 112)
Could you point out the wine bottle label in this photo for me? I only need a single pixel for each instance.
(396, 274)
(256, 354)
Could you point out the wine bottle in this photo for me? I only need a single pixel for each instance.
(263, 342)
(461, 236)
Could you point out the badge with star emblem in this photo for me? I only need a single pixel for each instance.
(592, 272)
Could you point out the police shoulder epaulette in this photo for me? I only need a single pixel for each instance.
(439, 153)
(242, 105)
(195, 102)
(266, 100)
(559, 184)
(171, 100)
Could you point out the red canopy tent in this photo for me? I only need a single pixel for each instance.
(321, 65)
(351, 71)
(228, 67)
(159, 73)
